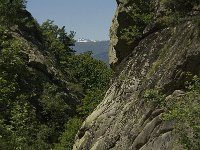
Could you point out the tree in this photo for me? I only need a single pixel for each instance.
(141, 13)
(56, 40)
(180, 7)
(36, 110)
(10, 8)
(93, 76)
(87, 71)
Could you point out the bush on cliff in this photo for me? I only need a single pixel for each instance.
(143, 15)
(183, 110)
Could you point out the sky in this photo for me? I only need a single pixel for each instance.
(90, 19)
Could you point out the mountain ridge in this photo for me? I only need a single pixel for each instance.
(99, 49)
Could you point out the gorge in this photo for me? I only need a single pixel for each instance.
(52, 98)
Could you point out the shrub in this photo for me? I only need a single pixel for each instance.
(141, 13)
(68, 136)
(11, 8)
(183, 110)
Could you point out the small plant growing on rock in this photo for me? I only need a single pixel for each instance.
(183, 109)
(145, 15)
(154, 97)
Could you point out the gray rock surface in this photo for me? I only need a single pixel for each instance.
(123, 121)
(118, 48)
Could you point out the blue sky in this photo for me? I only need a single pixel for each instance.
(88, 18)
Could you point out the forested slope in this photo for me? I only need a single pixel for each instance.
(45, 89)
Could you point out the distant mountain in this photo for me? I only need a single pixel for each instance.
(98, 48)
(82, 40)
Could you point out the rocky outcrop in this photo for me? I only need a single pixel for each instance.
(123, 121)
(118, 47)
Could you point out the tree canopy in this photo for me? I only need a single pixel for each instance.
(41, 110)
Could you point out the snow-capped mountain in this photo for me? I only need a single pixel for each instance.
(82, 40)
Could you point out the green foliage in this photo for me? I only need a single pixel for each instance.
(87, 71)
(180, 7)
(10, 65)
(92, 98)
(141, 14)
(17, 115)
(67, 137)
(36, 111)
(194, 85)
(175, 10)
(15, 109)
(6, 138)
(11, 8)
(56, 40)
(23, 122)
(93, 76)
(183, 110)
(122, 76)
(55, 109)
(53, 99)
(155, 98)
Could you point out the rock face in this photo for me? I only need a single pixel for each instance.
(120, 21)
(161, 60)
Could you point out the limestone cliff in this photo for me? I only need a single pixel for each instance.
(161, 60)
